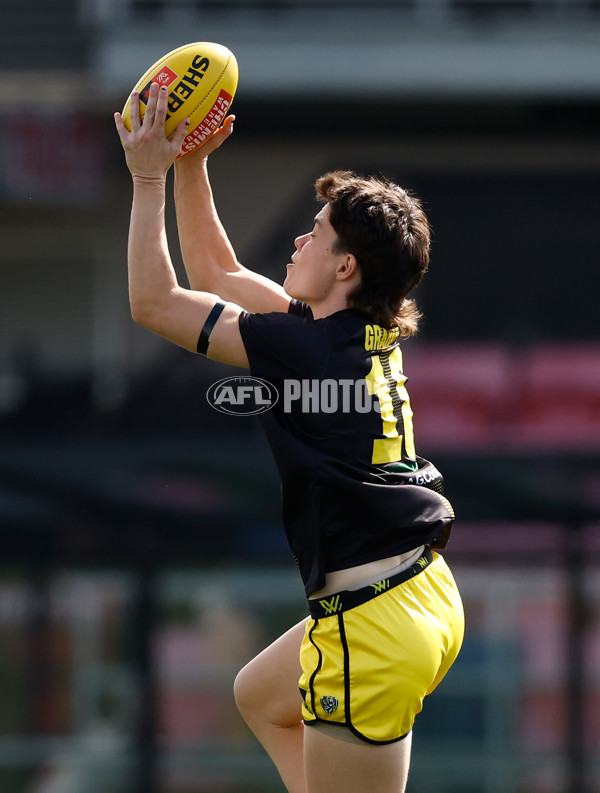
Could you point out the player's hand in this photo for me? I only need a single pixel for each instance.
(212, 143)
(148, 152)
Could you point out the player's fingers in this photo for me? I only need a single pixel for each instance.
(161, 107)
(224, 131)
(134, 110)
(121, 128)
(179, 134)
(151, 105)
(218, 137)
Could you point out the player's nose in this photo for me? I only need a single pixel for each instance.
(300, 241)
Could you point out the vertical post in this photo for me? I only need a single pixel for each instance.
(575, 560)
(144, 623)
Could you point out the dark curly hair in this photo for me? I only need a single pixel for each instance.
(386, 229)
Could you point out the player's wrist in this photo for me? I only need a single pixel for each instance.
(149, 180)
(191, 166)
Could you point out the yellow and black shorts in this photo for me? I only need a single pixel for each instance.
(370, 656)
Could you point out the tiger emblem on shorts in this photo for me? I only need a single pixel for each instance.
(329, 704)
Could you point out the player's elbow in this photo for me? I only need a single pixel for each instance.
(143, 312)
(213, 275)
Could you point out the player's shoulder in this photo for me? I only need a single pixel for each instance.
(297, 315)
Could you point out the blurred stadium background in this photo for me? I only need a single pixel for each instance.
(142, 557)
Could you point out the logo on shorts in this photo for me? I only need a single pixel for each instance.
(329, 704)
(381, 586)
(332, 605)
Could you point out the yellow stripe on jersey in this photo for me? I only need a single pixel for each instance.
(386, 381)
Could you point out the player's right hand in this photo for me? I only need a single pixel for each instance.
(148, 152)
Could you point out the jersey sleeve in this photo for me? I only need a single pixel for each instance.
(280, 345)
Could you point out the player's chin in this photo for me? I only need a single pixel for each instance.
(287, 284)
(292, 290)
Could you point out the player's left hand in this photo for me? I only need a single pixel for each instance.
(214, 141)
(148, 151)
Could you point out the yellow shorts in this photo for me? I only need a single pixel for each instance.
(368, 667)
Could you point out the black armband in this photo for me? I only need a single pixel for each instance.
(211, 321)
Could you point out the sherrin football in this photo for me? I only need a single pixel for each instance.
(201, 79)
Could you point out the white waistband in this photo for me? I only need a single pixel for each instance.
(387, 573)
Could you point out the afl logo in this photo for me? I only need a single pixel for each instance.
(242, 396)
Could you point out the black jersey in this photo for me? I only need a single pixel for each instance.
(353, 488)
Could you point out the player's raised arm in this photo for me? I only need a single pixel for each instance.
(198, 321)
(208, 256)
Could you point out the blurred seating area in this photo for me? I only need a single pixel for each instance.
(495, 398)
(467, 396)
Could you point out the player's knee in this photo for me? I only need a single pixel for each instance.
(244, 692)
(262, 702)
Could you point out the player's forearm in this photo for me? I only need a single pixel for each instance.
(151, 275)
(206, 249)
(157, 301)
(209, 258)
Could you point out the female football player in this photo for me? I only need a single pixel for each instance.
(334, 699)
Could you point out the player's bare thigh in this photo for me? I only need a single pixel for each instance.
(334, 765)
(268, 685)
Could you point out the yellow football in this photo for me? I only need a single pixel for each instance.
(201, 79)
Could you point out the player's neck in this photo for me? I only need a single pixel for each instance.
(334, 302)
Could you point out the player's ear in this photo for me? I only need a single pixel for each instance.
(347, 267)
